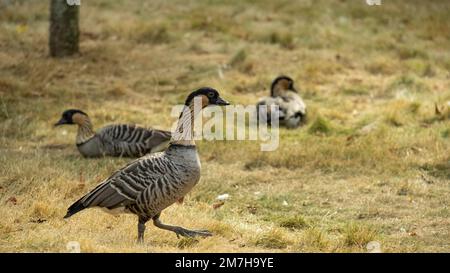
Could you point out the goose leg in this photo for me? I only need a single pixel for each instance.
(180, 231)
(141, 230)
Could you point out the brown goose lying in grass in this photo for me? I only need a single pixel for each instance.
(292, 109)
(114, 140)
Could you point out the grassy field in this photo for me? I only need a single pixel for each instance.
(371, 164)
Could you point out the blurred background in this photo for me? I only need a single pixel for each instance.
(371, 164)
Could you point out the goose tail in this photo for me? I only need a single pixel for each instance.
(76, 207)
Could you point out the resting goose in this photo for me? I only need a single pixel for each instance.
(114, 140)
(150, 184)
(292, 109)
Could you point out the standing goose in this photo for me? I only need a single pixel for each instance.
(292, 109)
(114, 140)
(151, 183)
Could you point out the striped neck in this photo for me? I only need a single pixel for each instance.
(85, 130)
(184, 133)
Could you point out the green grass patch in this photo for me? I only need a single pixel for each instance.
(320, 126)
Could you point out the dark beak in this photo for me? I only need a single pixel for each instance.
(221, 101)
(61, 122)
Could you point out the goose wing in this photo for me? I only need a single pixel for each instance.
(268, 102)
(124, 186)
(293, 105)
(294, 110)
(132, 140)
(291, 109)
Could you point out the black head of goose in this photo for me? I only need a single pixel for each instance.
(114, 140)
(292, 109)
(148, 185)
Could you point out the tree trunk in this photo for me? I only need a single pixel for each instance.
(64, 31)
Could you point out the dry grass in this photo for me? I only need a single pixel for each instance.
(371, 164)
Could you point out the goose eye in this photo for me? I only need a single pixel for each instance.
(210, 94)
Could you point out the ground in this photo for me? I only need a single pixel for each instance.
(371, 164)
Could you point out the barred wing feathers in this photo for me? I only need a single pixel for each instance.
(131, 140)
(126, 186)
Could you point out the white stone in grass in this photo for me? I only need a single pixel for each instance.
(373, 247)
(73, 247)
(223, 197)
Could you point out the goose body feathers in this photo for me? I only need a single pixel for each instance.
(125, 140)
(147, 185)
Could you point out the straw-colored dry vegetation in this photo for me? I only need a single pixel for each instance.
(371, 164)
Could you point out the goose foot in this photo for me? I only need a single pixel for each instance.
(180, 231)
